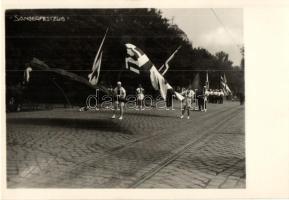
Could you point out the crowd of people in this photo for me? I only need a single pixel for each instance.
(215, 96)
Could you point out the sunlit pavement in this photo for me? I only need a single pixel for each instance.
(65, 148)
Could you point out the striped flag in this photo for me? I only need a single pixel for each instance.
(225, 86)
(138, 62)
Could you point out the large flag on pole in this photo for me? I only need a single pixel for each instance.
(38, 64)
(138, 62)
(225, 86)
(93, 77)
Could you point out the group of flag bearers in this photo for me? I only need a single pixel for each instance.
(192, 99)
(198, 99)
(138, 62)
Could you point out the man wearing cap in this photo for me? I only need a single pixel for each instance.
(120, 94)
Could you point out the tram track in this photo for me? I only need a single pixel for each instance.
(179, 152)
(94, 160)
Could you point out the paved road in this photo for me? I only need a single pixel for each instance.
(64, 148)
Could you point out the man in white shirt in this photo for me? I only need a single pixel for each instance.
(187, 102)
(206, 95)
(120, 95)
(140, 97)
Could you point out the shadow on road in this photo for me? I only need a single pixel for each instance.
(151, 115)
(95, 124)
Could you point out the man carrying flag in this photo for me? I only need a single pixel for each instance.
(187, 103)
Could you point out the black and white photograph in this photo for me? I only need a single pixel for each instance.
(125, 98)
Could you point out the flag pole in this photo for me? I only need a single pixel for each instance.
(98, 51)
(168, 60)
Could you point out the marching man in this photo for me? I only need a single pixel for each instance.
(140, 97)
(187, 102)
(120, 95)
(206, 94)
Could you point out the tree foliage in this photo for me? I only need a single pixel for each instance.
(72, 45)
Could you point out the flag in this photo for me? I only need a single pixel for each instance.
(196, 81)
(225, 86)
(138, 62)
(38, 64)
(167, 62)
(93, 77)
(207, 80)
(27, 74)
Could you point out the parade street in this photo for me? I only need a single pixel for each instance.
(65, 148)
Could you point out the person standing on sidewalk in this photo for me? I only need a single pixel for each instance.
(120, 95)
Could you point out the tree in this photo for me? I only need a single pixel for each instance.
(223, 60)
(72, 45)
